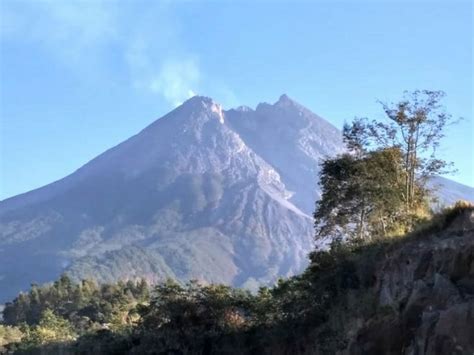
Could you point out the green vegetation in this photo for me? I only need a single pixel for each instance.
(415, 125)
(9, 335)
(362, 196)
(379, 188)
(51, 329)
(58, 314)
(84, 305)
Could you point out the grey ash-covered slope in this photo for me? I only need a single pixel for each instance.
(193, 195)
(201, 193)
(293, 140)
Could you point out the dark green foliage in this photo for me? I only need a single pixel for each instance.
(50, 329)
(380, 188)
(82, 304)
(192, 317)
(361, 195)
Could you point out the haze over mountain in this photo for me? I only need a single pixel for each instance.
(201, 193)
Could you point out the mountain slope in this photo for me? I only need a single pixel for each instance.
(449, 191)
(201, 193)
(293, 140)
(186, 198)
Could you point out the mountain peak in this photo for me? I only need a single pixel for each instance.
(202, 106)
(284, 97)
(199, 100)
(285, 100)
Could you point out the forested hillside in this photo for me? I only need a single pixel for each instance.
(406, 294)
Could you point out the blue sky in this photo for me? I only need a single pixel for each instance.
(78, 77)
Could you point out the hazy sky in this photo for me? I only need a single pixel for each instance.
(78, 77)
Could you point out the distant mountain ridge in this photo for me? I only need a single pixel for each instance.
(201, 193)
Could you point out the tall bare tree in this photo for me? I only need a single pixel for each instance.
(416, 124)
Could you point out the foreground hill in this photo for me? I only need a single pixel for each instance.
(201, 193)
(404, 295)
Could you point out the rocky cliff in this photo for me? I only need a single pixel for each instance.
(424, 293)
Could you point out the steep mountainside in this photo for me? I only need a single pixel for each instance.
(203, 193)
(185, 198)
(293, 140)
